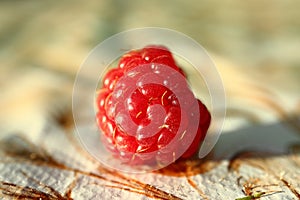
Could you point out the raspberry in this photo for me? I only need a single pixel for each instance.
(146, 110)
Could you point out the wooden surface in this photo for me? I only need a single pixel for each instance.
(56, 167)
(255, 46)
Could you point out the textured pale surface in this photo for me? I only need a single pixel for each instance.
(57, 163)
(255, 46)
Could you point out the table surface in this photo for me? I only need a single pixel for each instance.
(56, 167)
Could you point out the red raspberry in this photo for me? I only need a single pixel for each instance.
(146, 110)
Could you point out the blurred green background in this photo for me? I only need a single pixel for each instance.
(255, 33)
(43, 43)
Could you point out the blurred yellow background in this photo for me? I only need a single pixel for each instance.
(255, 45)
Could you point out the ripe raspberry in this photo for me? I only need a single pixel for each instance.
(146, 110)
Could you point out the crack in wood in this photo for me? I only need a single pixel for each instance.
(44, 159)
(261, 163)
